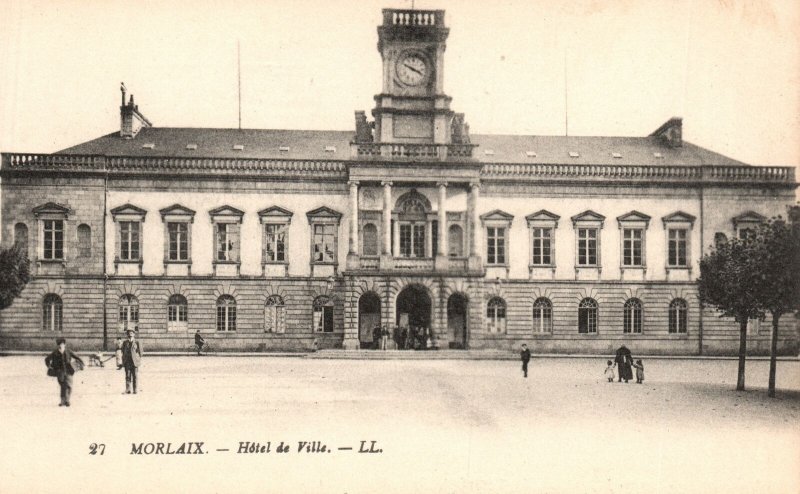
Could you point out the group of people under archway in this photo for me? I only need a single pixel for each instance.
(403, 338)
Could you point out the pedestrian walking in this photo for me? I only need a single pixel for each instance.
(639, 366)
(609, 372)
(59, 365)
(199, 341)
(131, 360)
(525, 355)
(623, 361)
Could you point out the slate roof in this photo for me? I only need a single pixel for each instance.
(311, 145)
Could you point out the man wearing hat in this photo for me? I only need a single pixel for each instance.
(59, 365)
(131, 360)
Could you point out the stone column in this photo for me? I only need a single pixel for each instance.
(475, 221)
(429, 238)
(387, 218)
(441, 244)
(353, 218)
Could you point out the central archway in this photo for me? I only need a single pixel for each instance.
(414, 307)
(369, 316)
(457, 320)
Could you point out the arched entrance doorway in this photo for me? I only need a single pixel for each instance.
(369, 316)
(414, 307)
(457, 320)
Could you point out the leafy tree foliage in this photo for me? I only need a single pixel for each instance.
(778, 292)
(730, 279)
(14, 274)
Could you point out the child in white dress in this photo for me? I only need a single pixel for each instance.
(609, 372)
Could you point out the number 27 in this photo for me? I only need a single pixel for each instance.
(95, 448)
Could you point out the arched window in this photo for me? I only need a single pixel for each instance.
(128, 313)
(51, 312)
(587, 316)
(370, 235)
(719, 239)
(542, 316)
(678, 316)
(632, 316)
(274, 315)
(21, 237)
(323, 315)
(226, 313)
(496, 315)
(455, 241)
(177, 313)
(84, 240)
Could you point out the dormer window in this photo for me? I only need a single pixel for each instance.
(330, 149)
(616, 155)
(238, 147)
(658, 155)
(530, 154)
(489, 152)
(283, 149)
(191, 147)
(148, 145)
(574, 154)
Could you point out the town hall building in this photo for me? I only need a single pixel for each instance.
(292, 240)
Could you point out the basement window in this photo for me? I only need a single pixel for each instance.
(530, 154)
(148, 145)
(330, 149)
(574, 154)
(191, 146)
(238, 147)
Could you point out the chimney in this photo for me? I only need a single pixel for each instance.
(131, 121)
(671, 132)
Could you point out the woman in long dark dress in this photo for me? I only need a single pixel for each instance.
(623, 362)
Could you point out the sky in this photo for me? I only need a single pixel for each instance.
(730, 68)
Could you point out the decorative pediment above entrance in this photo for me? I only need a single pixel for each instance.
(51, 209)
(588, 217)
(128, 211)
(324, 214)
(275, 214)
(679, 218)
(176, 211)
(748, 218)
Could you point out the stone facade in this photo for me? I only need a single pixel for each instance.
(294, 240)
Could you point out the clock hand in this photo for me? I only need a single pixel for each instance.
(412, 68)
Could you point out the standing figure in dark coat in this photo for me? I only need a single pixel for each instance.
(131, 359)
(525, 355)
(59, 364)
(623, 361)
(376, 337)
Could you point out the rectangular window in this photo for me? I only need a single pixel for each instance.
(276, 243)
(495, 245)
(677, 247)
(542, 246)
(587, 247)
(226, 318)
(129, 240)
(632, 246)
(178, 241)
(412, 240)
(324, 238)
(323, 319)
(53, 239)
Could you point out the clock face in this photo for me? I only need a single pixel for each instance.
(412, 70)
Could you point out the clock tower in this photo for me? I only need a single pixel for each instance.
(412, 107)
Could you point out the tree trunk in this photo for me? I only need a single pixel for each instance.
(742, 353)
(773, 354)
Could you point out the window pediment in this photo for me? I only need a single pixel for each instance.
(51, 209)
(226, 213)
(176, 211)
(749, 218)
(634, 218)
(128, 210)
(275, 214)
(497, 216)
(543, 218)
(588, 217)
(677, 218)
(324, 214)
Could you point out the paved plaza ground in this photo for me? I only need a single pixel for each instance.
(457, 426)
